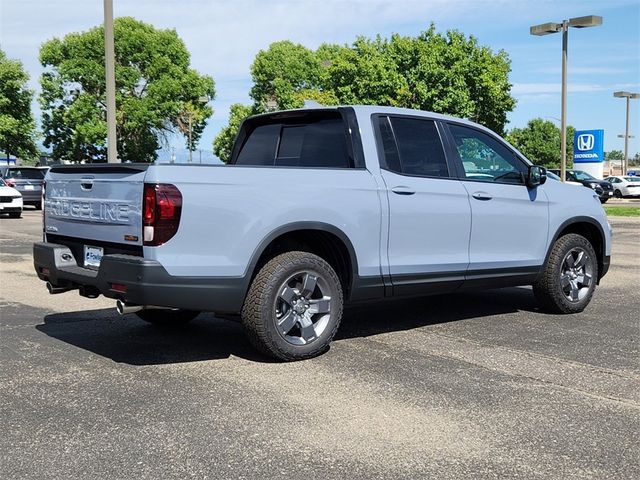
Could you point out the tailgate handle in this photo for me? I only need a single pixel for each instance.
(86, 183)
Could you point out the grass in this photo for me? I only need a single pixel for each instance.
(622, 211)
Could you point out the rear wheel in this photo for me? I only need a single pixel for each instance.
(293, 307)
(15, 214)
(167, 318)
(37, 205)
(569, 276)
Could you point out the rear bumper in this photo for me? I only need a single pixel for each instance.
(147, 282)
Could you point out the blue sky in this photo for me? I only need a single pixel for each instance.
(224, 36)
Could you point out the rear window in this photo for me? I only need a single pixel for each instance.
(27, 173)
(316, 141)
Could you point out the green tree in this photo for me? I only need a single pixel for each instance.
(614, 155)
(17, 127)
(155, 89)
(539, 141)
(223, 143)
(445, 73)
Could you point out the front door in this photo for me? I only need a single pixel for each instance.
(509, 220)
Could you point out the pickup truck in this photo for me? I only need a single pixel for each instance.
(318, 208)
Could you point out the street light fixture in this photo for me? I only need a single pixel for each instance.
(628, 96)
(547, 29)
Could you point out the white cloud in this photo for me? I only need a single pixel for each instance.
(224, 36)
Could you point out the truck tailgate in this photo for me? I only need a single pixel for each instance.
(95, 202)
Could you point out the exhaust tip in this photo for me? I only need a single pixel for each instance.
(125, 308)
(53, 289)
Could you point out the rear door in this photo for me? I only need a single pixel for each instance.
(510, 221)
(95, 205)
(429, 212)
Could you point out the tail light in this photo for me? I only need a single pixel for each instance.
(161, 210)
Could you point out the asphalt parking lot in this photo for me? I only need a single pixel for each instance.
(476, 385)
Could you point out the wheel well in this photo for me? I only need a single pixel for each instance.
(326, 245)
(591, 233)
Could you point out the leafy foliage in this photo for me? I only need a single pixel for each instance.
(614, 155)
(445, 73)
(17, 127)
(156, 91)
(539, 141)
(223, 143)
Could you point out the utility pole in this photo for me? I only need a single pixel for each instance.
(628, 96)
(110, 73)
(553, 27)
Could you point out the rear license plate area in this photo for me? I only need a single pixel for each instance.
(92, 256)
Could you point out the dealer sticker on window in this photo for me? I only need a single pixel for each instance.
(92, 256)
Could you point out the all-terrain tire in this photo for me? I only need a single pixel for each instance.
(260, 310)
(549, 289)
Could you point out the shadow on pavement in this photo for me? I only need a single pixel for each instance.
(130, 340)
(409, 313)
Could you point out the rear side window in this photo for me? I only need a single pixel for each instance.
(260, 146)
(318, 142)
(412, 147)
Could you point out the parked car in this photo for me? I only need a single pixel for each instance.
(317, 208)
(27, 180)
(625, 186)
(602, 188)
(10, 200)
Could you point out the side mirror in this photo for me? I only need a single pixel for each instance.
(536, 176)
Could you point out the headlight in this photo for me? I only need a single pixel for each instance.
(594, 185)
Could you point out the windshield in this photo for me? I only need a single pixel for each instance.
(632, 179)
(580, 175)
(552, 175)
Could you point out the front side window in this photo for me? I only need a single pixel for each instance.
(484, 158)
(412, 147)
(319, 142)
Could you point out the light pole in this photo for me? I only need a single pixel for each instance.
(552, 27)
(628, 96)
(202, 99)
(110, 77)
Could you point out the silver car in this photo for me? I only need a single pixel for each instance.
(27, 180)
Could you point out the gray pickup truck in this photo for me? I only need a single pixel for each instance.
(319, 207)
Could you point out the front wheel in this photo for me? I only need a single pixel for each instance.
(569, 276)
(617, 194)
(603, 200)
(167, 318)
(293, 307)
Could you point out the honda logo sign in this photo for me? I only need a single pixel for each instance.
(588, 146)
(585, 142)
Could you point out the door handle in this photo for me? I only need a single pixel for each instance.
(481, 196)
(400, 190)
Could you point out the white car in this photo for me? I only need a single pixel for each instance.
(10, 200)
(625, 186)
